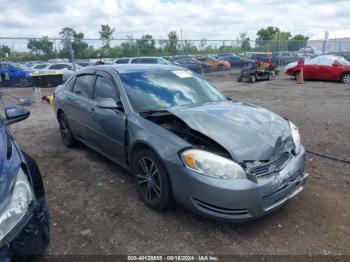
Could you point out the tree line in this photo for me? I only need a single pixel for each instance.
(267, 39)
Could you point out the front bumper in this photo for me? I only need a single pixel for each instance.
(290, 72)
(238, 200)
(32, 235)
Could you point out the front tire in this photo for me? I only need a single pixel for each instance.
(152, 180)
(66, 133)
(252, 78)
(221, 67)
(23, 82)
(346, 78)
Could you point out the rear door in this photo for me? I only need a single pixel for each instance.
(80, 102)
(109, 124)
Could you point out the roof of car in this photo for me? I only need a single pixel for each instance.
(131, 68)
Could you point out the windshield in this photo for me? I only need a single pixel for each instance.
(23, 67)
(150, 91)
(343, 61)
(40, 66)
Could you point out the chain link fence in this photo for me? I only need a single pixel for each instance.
(26, 62)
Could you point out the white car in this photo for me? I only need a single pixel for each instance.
(66, 68)
(142, 60)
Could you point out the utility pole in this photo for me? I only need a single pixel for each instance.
(182, 43)
(69, 39)
(324, 47)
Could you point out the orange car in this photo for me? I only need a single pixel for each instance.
(215, 63)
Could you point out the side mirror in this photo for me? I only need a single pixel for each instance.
(15, 114)
(110, 103)
(335, 64)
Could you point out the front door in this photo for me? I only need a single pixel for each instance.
(109, 124)
(327, 72)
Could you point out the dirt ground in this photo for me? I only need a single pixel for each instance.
(95, 208)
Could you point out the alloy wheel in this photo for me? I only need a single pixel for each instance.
(148, 179)
(64, 130)
(346, 79)
(23, 82)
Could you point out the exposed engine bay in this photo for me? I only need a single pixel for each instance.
(197, 139)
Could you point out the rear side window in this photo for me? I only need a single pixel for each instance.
(148, 61)
(69, 85)
(104, 88)
(83, 85)
(122, 61)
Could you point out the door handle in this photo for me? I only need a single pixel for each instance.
(92, 111)
(68, 100)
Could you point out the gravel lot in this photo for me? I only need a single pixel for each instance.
(95, 208)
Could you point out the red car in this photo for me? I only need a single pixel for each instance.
(325, 67)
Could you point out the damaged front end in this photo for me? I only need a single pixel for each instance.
(258, 140)
(182, 130)
(24, 219)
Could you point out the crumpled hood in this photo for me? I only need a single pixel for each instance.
(247, 132)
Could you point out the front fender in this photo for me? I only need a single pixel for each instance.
(161, 141)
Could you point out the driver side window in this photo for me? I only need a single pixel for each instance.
(104, 88)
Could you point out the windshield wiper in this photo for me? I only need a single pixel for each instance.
(154, 113)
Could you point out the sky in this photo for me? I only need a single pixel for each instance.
(211, 19)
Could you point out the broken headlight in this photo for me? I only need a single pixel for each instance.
(296, 137)
(18, 207)
(212, 165)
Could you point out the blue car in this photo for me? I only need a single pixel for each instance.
(234, 60)
(13, 75)
(24, 217)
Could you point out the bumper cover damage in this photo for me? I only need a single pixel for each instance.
(240, 200)
(31, 236)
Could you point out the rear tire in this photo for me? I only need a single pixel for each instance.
(67, 136)
(346, 78)
(152, 180)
